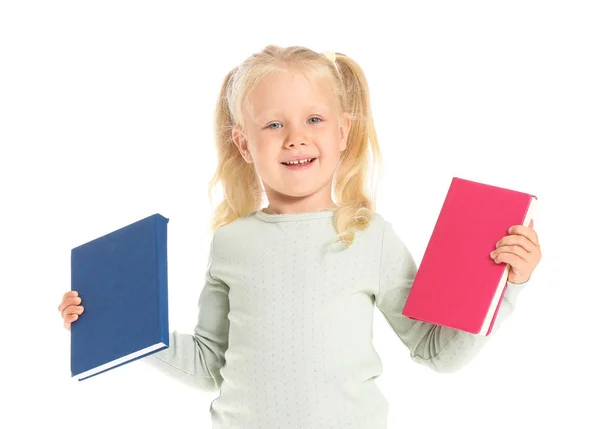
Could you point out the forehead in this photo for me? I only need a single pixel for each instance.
(290, 90)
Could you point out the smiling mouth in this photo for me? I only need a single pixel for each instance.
(295, 165)
(299, 163)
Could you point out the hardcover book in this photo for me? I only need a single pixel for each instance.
(458, 284)
(121, 278)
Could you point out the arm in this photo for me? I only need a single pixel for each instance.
(440, 348)
(196, 359)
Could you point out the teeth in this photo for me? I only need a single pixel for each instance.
(300, 161)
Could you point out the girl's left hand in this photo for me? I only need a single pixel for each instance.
(521, 250)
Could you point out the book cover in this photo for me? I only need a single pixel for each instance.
(458, 284)
(121, 278)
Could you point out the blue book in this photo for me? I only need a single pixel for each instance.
(121, 278)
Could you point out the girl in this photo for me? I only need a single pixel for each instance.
(285, 316)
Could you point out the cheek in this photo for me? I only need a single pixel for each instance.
(264, 156)
(332, 148)
(334, 143)
(329, 160)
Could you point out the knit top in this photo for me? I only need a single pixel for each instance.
(285, 321)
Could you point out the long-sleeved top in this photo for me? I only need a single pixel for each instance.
(285, 324)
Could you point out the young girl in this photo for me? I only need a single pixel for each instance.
(285, 316)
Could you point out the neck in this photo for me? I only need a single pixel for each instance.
(285, 204)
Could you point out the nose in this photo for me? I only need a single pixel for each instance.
(295, 139)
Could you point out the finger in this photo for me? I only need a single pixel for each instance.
(531, 224)
(70, 319)
(517, 250)
(518, 264)
(68, 302)
(516, 240)
(70, 293)
(71, 310)
(526, 232)
(67, 323)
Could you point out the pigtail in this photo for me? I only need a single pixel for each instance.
(362, 155)
(239, 181)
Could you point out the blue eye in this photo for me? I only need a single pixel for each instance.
(277, 123)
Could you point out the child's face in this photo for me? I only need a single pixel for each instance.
(290, 117)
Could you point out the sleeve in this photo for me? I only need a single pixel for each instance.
(440, 348)
(196, 359)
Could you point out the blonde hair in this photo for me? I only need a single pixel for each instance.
(242, 186)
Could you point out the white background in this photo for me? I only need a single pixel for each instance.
(106, 117)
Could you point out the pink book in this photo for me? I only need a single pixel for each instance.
(458, 284)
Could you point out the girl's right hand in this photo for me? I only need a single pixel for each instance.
(70, 308)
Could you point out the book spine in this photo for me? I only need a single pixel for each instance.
(162, 277)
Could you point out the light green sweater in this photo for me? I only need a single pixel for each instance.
(285, 324)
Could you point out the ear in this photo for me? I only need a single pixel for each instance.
(344, 128)
(241, 143)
